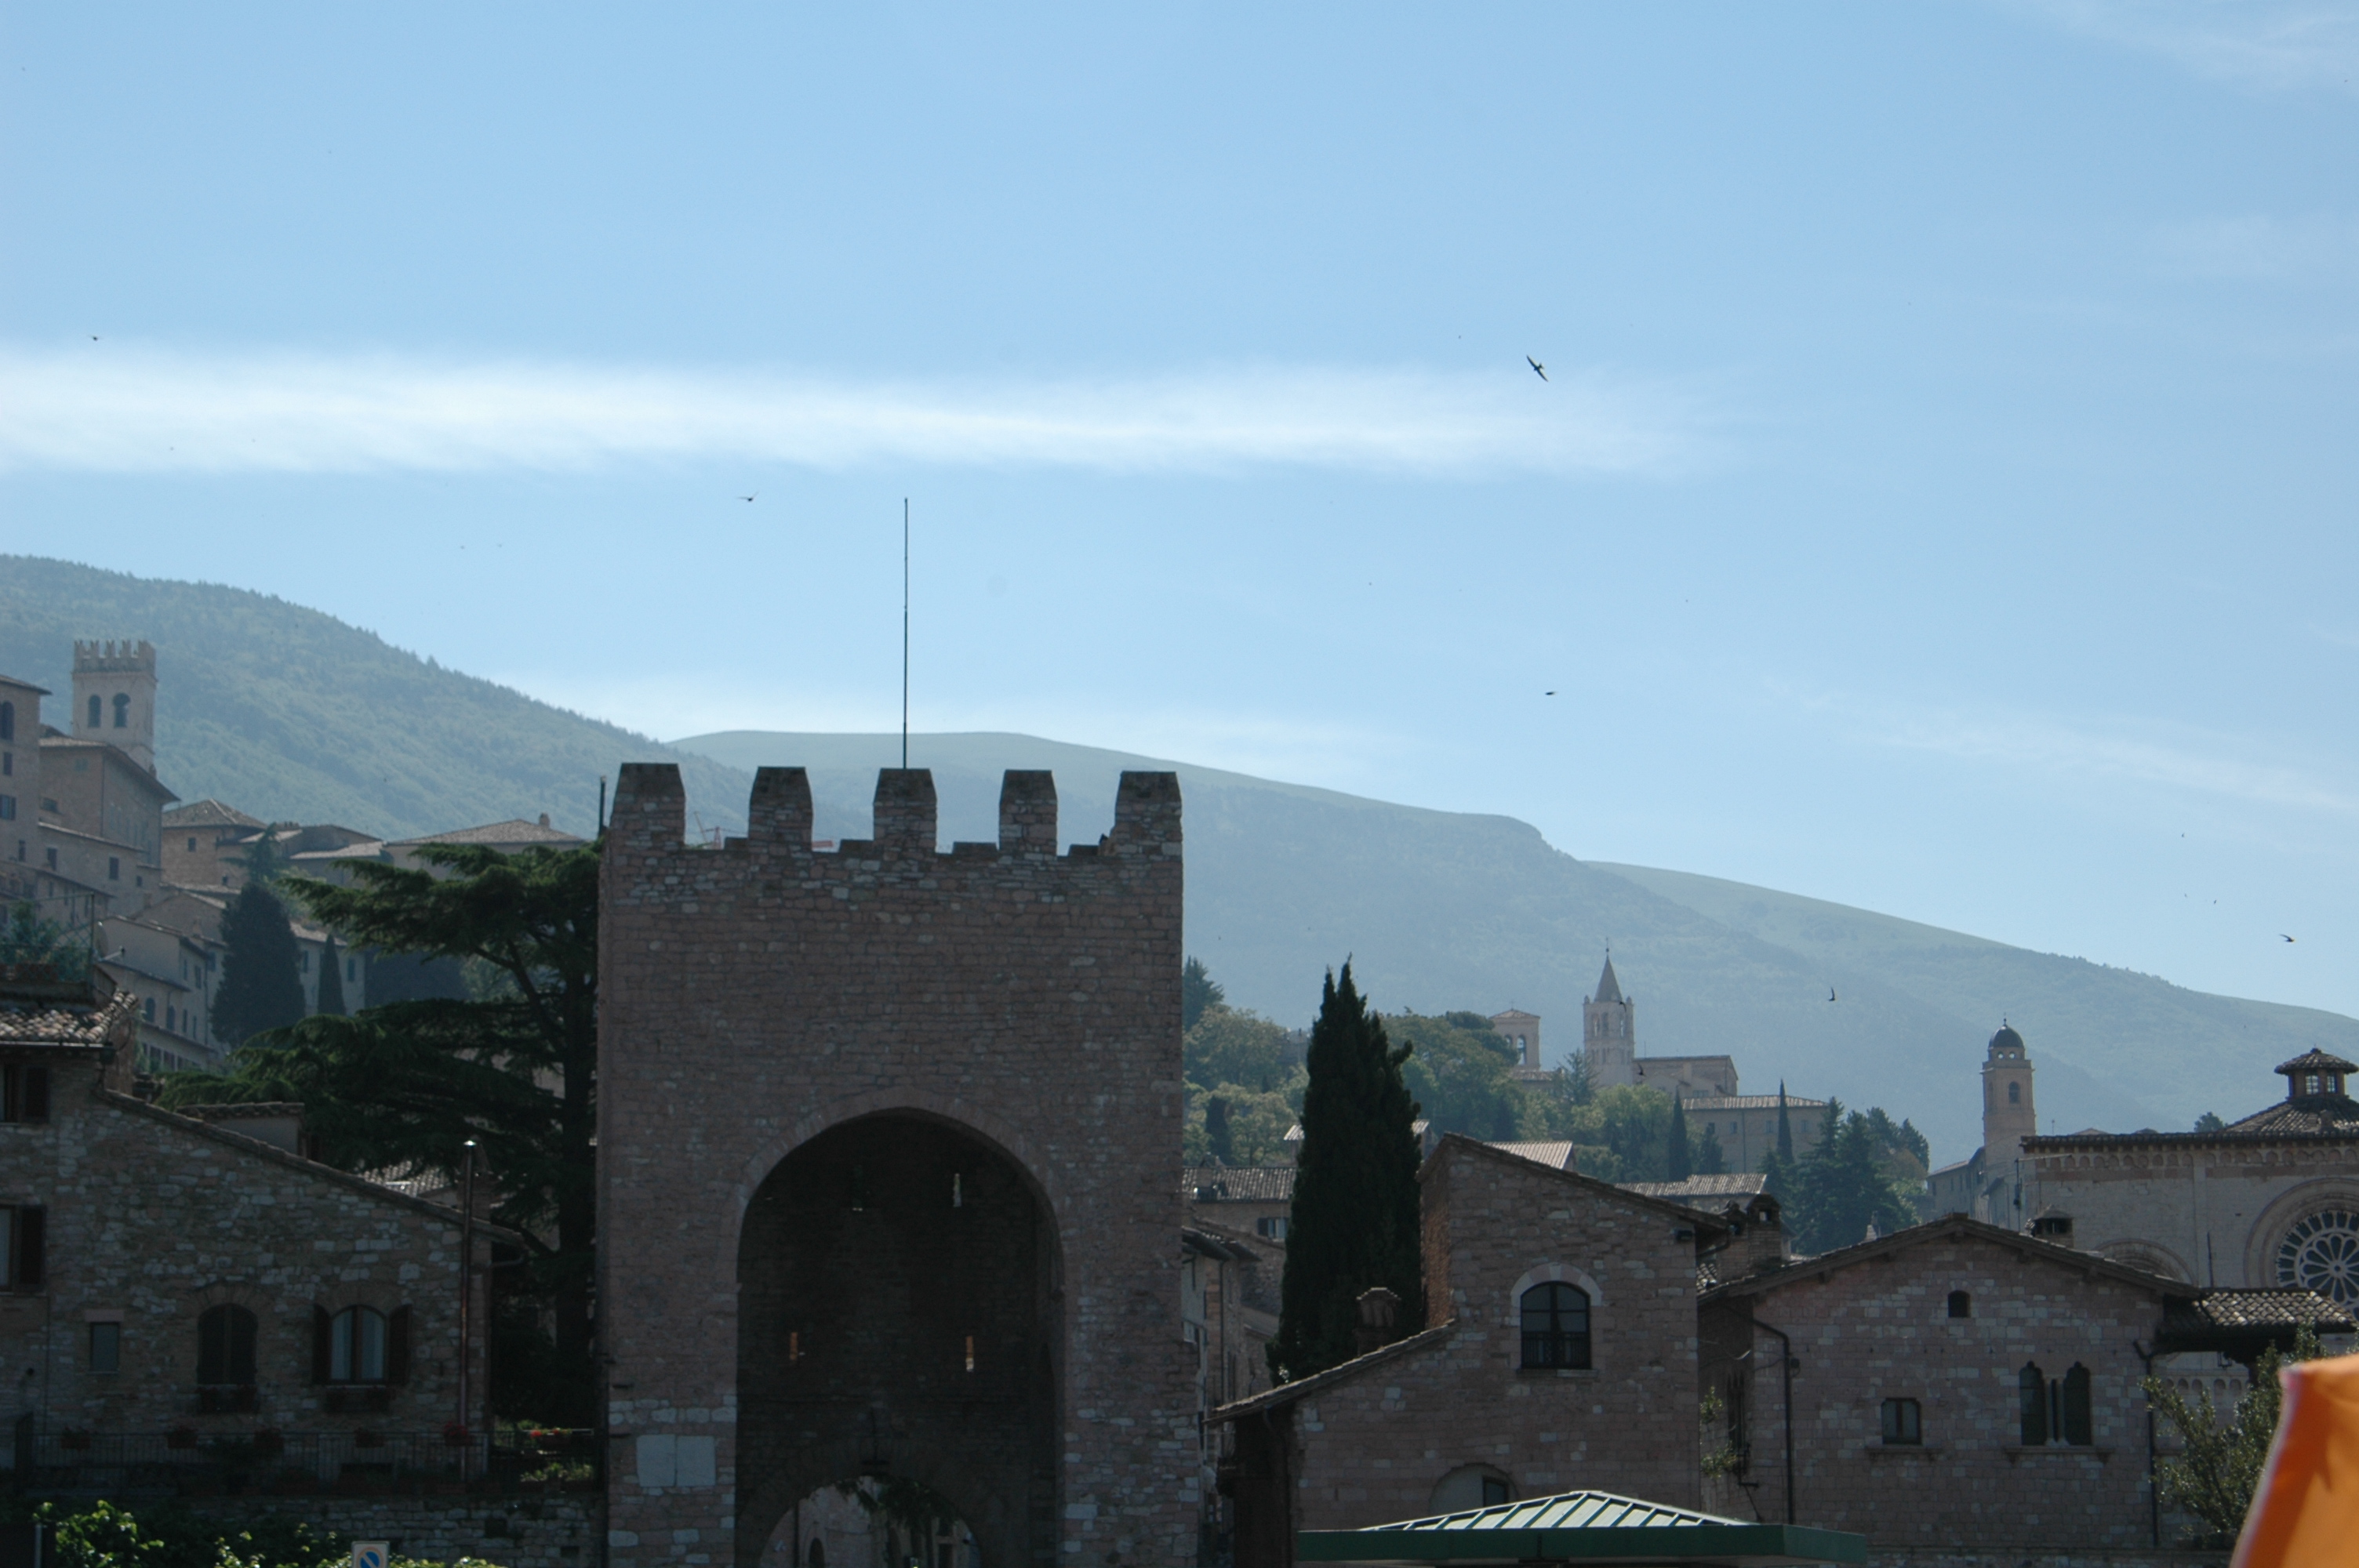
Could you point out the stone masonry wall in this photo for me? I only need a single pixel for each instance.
(152, 1218)
(756, 996)
(2211, 1212)
(1879, 1328)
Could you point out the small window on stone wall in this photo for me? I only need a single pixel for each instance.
(106, 1348)
(1961, 1304)
(1556, 1325)
(359, 1344)
(1903, 1422)
(226, 1345)
(24, 1246)
(1470, 1487)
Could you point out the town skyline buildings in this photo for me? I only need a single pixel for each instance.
(1893, 438)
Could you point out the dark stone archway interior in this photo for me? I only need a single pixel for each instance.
(896, 1316)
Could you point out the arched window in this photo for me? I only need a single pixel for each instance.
(7, 721)
(1961, 1304)
(2079, 1425)
(817, 1555)
(226, 1345)
(122, 710)
(2031, 1387)
(2014, 1094)
(94, 711)
(356, 1346)
(1556, 1325)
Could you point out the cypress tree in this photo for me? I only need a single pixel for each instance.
(1216, 1132)
(1679, 1160)
(1785, 1127)
(1200, 993)
(331, 980)
(262, 980)
(1354, 1221)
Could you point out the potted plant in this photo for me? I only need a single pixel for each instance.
(454, 1433)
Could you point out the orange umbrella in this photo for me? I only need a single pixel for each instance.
(2306, 1510)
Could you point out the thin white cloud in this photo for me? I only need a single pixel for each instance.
(2271, 45)
(120, 409)
(2221, 765)
(2261, 248)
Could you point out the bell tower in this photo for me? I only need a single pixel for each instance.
(1609, 1032)
(115, 697)
(2008, 1116)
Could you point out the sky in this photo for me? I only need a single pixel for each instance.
(1939, 499)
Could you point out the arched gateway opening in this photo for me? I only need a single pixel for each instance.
(898, 1317)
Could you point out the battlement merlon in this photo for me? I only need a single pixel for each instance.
(97, 657)
(650, 811)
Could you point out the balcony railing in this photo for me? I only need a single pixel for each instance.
(263, 1460)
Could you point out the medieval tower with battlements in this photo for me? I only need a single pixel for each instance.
(886, 1146)
(115, 698)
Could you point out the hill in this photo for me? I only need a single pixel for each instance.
(292, 715)
(1443, 910)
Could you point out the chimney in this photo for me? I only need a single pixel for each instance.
(1379, 1310)
(544, 819)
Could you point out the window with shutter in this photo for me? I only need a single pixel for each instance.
(2080, 1425)
(225, 1336)
(2032, 1398)
(397, 1345)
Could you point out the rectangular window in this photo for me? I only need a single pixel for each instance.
(24, 1092)
(114, 867)
(7, 764)
(148, 1010)
(1902, 1422)
(1272, 1226)
(8, 808)
(53, 859)
(192, 846)
(24, 1244)
(106, 1348)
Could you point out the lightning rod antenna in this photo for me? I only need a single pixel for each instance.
(905, 633)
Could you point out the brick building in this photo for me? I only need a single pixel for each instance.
(886, 1146)
(1989, 1379)
(1561, 1354)
(166, 1273)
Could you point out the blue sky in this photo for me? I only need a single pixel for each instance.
(1941, 500)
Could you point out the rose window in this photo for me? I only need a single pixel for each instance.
(2321, 1253)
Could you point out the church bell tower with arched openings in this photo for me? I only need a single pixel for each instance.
(1609, 1032)
(2008, 1116)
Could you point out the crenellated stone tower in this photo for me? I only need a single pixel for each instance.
(886, 1154)
(115, 697)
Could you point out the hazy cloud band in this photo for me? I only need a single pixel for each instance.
(136, 409)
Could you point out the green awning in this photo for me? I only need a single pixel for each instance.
(1584, 1527)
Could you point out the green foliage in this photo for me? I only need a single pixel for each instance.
(2219, 1463)
(1257, 1122)
(172, 1535)
(1242, 1048)
(405, 1083)
(1461, 1072)
(1710, 1160)
(27, 938)
(1839, 1187)
(1678, 1158)
(1218, 1144)
(264, 857)
(1715, 1442)
(1198, 993)
(262, 981)
(331, 980)
(2209, 1121)
(1354, 1222)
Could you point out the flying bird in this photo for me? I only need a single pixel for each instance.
(749, 497)
(1831, 993)
(1548, 694)
(2282, 934)
(1539, 369)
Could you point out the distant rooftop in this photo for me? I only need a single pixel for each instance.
(1724, 1185)
(208, 813)
(1239, 1183)
(515, 830)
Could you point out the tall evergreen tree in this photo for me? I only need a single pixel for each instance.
(1711, 1158)
(1679, 1160)
(1785, 1127)
(1354, 1222)
(262, 978)
(1216, 1132)
(1840, 1190)
(1200, 993)
(331, 980)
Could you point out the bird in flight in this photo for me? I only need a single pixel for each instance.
(1539, 369)
(749, 497)
(2282, 934)
(1831, 993)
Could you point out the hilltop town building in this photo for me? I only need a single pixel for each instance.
(1988, 1183)
(886, 1139)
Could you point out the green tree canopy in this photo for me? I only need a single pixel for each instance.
(1679, 1157)
(1355, 1223)
(2219, 1462)
(1199, 992)
(407, 1083)
(27, 938)
(1839, 1187)
(262, 980)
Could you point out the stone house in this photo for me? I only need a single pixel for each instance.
(1560, 1354)
(1989, 1379)
(1256, 1199)
(171, 1275)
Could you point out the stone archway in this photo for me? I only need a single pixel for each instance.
(898, 1317)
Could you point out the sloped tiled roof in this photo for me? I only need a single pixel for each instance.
(2312, 1115)
(1697, 1189)
(1949, 1228)
(1750, 1102)
(1239, 1183)
(2262, 1309)
(1608, 987)
(210, 813)
(1555, 1156)
(2317, 1062)
(38, 1008)
(516, 830)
